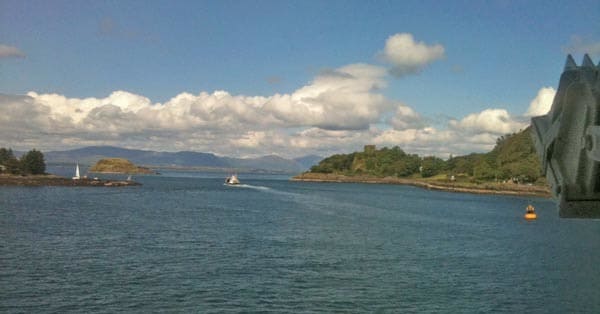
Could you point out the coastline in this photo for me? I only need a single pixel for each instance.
(54, 180)
(123, 172)
(483, 188)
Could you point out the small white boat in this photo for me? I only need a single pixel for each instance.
(232, 180)
(77, 177)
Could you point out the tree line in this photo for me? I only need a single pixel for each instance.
(31, 162)
(513, 158)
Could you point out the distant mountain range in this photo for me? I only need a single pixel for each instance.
(90, 155)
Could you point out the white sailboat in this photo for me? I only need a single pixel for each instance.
(77, 177)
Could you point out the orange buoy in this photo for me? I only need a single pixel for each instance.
(530, 216)
(530, 213)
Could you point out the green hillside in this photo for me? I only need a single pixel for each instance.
(513, 158)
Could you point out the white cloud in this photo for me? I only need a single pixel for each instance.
(495, 121)
(344, 98)
(408, 56)
(542, 103)
(10, 52)
(438, 142)
(235, 125)
(339, 111)
(406, 118)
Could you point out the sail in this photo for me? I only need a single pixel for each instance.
(76, 177)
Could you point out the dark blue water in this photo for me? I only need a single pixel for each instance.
(184, 242)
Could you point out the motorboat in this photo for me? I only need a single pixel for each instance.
(232, 180)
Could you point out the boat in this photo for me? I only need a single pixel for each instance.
(232, 180)
(77, 177)
(530, 213)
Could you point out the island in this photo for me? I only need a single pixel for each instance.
(511, 168)
(118, 165)
(30, 170)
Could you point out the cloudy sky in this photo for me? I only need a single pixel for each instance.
(251, 78)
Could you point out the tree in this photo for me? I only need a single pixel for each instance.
(33, 162)
(483, 170)
(5, 155)
(335, 163)
(431, 166)
(403, 167)
(9, 161)
(514, 156)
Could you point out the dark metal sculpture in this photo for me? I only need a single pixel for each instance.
(567, 140)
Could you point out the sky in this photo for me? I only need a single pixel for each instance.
(290, 78)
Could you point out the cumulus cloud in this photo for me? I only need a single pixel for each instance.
(229, 125)
(238, 125)
(542, 103)
(494, 121)
(430, 140)
(408, 56)
(406, 118)
(343, 99)
(10, 52)
(425, 136)
(339, 110)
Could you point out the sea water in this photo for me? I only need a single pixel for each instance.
(184, 242)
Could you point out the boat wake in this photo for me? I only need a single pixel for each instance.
(248, 186)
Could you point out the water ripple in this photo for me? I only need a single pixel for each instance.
(189, 244)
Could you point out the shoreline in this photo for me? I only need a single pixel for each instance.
(123, 173)
(54, 180)
(484, 188)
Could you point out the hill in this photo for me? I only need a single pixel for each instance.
(186, 159)
(91, 154)
(118, 165)
(512, 159)
(308, 161)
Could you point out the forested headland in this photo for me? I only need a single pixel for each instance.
(511, 165)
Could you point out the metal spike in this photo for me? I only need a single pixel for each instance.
(570, 64)
(587, 61)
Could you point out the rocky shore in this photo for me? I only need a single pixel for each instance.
(460, 187)
(53, 180)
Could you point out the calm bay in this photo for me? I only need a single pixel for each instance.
(184, 242)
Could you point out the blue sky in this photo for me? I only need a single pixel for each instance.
(496, 55)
